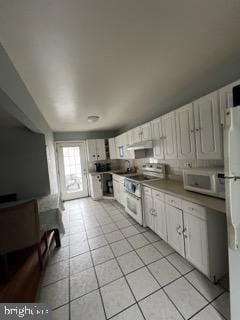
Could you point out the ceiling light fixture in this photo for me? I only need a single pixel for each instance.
(92, 119)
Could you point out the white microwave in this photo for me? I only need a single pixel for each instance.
(208, 181)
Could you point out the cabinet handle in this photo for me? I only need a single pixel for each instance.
(178, 229)
(94, 156)
(185, 232)
(197, 129)
(192, 131)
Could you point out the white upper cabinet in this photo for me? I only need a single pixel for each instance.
(121, 146)
(142, 133)
(101, 150)
(226, 99)
(96, 150)
(169, 135)
(130, 154)
(156, 129)
(137, 135)
(91, 150)
(112, 148)
(146, 131)
(207, 127)
(185, 132)
(157, 137)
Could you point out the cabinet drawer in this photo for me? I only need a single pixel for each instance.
(147, 191)
(158, 194)
(194, 209)
(173, 201)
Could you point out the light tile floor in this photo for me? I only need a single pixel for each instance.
(109, 267)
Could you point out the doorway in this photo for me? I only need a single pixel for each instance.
(72, 165)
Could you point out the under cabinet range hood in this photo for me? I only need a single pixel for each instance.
(141, 145)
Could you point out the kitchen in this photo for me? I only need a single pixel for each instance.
(190, 221)
(168, 175)
(127, 114)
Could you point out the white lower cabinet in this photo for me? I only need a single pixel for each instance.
(155, 213)
(160, 226)
(148, 210)
(121, 191)
(175, 228)
(116, 189)
(196, 242)
(196, 233)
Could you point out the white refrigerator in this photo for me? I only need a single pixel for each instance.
(232, 180)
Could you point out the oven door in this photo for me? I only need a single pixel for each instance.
(133, 206)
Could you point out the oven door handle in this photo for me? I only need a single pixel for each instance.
(132, 195)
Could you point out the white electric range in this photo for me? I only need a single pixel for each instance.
(133, 188)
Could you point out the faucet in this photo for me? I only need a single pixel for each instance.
(129, 166)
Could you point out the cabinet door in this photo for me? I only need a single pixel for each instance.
(196, 242)
(112, 148)
(175, 228)
(148, 207)
(116, 190)
(169, 133)
(207, 127)
(121, 194)
(160, 218)
(157, 137)
(124, 144)
(185, 132)
(137, 135)
(130, 154)
(101, 152)
(117, 142)
(146, 131)
(91, 150)
(226, 99)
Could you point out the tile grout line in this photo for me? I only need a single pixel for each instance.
(128, 285)
(161, 288)
(209, 302)
(99, 291)
(144, 265)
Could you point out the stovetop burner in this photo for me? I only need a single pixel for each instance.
(142, 177)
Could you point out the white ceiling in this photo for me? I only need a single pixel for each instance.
(126, 61)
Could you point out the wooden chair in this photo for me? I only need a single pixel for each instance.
(19, 229)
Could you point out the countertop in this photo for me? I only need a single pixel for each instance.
(175, 188)
(117, 172)
(94, 173)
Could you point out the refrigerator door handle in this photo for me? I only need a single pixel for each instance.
(235, 178)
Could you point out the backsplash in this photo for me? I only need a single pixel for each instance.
(174, 167)
(115, 164)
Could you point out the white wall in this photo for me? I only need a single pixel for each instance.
(51, 160)
(23, 163)
(84, 135)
